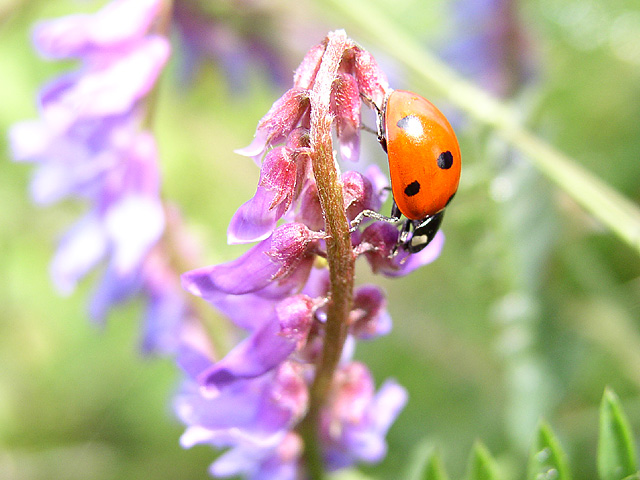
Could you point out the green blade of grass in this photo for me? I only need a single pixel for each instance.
(547, 460)
(616, 449)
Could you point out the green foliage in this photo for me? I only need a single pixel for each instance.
(425, 463)
(547, 460)
(481, 465)
(616, 449)
(434, 468)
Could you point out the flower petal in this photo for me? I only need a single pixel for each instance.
(112, 88)
(250, 410)
(164, 321)
(306, 72)
(370, 317)
(80, 250)
(113, 289)
(406, 265)
(256, 219)
(379, 242)
(29, 139)
(372, 81)
(295, 315)
(78, 35)
(358, 193)
(249, 311)
(279, 121)
(269, 260)
(346, 107)
(387, 405)
(366, 442)
(379, 181)
(133, 224)
(262, 351)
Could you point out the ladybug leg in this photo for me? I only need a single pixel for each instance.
(382, 135)
(395, 211)
(403, 237)
(372, 214)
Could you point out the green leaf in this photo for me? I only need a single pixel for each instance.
(616, 449)
(482, 466)
(425, 463)
(547, 460)
(635, 476)
(434, 468)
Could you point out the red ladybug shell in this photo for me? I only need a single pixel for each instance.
(424, 155)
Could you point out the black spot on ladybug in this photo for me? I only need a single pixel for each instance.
(412, 189)
(445, 160)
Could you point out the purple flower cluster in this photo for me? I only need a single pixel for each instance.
(90, 142)
(251, 400)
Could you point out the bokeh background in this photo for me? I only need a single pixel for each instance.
(532, 309)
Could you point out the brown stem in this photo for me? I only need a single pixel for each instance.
(218, 332)
(180, 257)
(340, 255)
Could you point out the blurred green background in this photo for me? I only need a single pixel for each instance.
(530, 312)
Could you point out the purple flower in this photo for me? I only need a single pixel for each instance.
(279, 292)
(117, 24)
(266, 347)
(281, 175)
(379, 245)
(90, 142)
(356, 420)
(253, 418)
(279, 122)
(272, 267)
(369, 317)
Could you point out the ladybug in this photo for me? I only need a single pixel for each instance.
(424, 164)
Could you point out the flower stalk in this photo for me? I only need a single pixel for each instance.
(340, 255)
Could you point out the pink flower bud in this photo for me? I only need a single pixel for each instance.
(346, 107)
(372, 81)
(280, 120)
(308, 69)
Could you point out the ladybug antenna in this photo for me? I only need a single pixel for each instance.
(382, 140)
(369, 102)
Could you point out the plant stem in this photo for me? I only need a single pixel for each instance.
(176, 251)
(339, 250)
(615, 211)
(217, 329)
